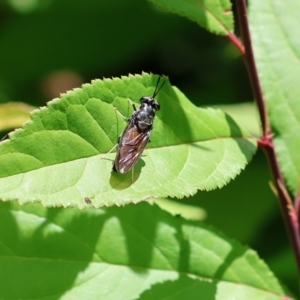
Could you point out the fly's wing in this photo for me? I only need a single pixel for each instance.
(131, 147)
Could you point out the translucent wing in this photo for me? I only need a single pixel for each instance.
(131, 146)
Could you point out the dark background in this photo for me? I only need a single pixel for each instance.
(50, 46)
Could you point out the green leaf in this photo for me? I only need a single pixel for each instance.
(277, 53)
(13, 115)
(60, 157)
(189, 212)
(245, 114)
(123, 253)
(214, 15)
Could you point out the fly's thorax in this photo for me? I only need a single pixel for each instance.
(144, 120)
(144, 116)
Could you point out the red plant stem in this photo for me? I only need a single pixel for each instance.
(297, 204)
(290, 216)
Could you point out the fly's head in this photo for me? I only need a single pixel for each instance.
(149, 104)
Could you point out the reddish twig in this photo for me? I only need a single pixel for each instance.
(289, 211)
(297, 203)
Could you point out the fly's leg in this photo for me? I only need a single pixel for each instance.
(122, 116)
(128, 120)
(4, 138)
(132, 104)
(114, 147)
(125, 118)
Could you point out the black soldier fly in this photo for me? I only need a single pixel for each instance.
(137, 132)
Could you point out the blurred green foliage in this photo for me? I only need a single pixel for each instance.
(77, 41)
(108, 38)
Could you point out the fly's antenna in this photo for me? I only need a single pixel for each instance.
(157, 89)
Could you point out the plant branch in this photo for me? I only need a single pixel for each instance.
(289, 213)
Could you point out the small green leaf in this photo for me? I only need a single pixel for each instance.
(13, 115)
(60, 157)
(214, 15)
(277, 53)
(131, 252)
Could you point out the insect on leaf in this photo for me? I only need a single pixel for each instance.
(60, 157)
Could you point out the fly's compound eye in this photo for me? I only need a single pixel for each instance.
(156, 105)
